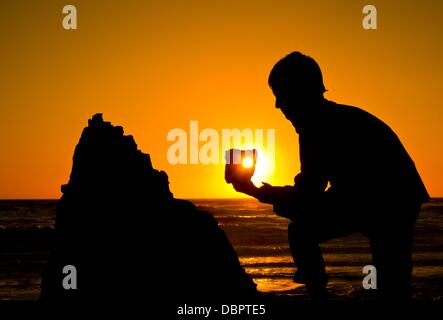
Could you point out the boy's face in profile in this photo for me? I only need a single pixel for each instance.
(293, 104)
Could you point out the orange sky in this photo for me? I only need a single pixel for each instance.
(155, 66)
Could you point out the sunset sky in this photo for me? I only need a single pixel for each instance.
(152, 66)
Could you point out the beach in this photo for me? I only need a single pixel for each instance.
(257, 234)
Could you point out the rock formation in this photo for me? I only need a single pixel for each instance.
(119, 225)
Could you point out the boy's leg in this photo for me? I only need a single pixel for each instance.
(304, 238)
(328, 218)
(309, 261)
(391, 248)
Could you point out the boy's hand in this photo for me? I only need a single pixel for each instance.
(245, 186)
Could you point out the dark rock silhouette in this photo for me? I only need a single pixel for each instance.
(25, 240)
(128, 237)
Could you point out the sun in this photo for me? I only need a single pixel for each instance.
(247, 162)
(264, 166)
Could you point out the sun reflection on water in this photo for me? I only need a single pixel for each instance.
(271, 273)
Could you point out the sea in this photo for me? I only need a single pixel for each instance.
(259, 238)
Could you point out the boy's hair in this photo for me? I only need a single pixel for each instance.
(298, 71)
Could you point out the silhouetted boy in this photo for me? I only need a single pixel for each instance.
(374, 187)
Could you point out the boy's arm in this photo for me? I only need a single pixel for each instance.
(282, 198)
